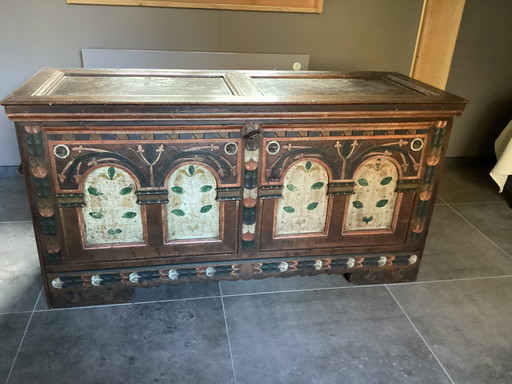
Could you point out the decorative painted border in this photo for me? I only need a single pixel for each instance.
(251, 134)
(45, 220)
(194, 135)
(344, 132)
(342, 155)
(186, 273)
(150, 157)
(426, 188)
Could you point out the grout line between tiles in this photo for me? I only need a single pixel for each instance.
(419, 333)
(23, 337)
(14, 313)
(479, 231)
(127, 304)
(227, 333)
(450, 280)
(301, 290)
(15, 222)
(480, 202)
(361, 286)
(442, 200)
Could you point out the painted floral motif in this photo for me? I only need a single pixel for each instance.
(111, 213)
(303, 207)
(193, 211)
(372, 205)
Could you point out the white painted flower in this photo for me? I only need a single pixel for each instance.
(134, 278)
(318, 264)
(250, 193)
(382, 261)
(249, 228)
(96, 280)
(57, 283)
(283, 267)
(351, 262)
(210, 271)
(251, 155)
(413, 259)
(173, 274)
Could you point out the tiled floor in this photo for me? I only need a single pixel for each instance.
(453, 326)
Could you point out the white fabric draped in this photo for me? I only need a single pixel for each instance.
(503, 148)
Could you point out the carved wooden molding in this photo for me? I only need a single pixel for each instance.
(305, 6)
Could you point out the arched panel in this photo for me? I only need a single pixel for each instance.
(111, 214)
(303, 207)
(372, 206)
(193, 211)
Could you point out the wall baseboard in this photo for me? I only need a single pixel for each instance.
(8, 171)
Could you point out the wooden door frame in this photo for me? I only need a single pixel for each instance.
(435, 44)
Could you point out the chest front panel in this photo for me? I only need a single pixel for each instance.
(339, 185)
(172, 190)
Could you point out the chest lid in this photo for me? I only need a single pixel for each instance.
(60, 89)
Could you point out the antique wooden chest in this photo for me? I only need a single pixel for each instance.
(138, 178)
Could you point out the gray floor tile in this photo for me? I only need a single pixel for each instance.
(14, 205)
(171, 292)
(278, 284)
(467, 324)
(177, 342)
(493, 219)
(351, 335)
(468, 184)
(456, 250)
(20, 279)
(162, 293)
(12, 327)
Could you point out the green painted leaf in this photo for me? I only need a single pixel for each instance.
(93, 191)
(178, 212)
(206, 188)
(177, 190)
(363, 182)
(381, 203)
(118, 231)
(191, 170)
(96, 215)
(386, 180)
(125, 191)
(357, 204)
(129, 215)
(205, 208)
(114, 232)
(312, 206)
(111, 232)
(367, 219)
(111, 173)
(308, 165)
(291, 187)
(317, 185)
(289, 209)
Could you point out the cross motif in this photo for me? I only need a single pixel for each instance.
(288, 147)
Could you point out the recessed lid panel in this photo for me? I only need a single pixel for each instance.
(332, 87)
(114, 86)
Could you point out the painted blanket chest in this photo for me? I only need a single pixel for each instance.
(144, 177)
